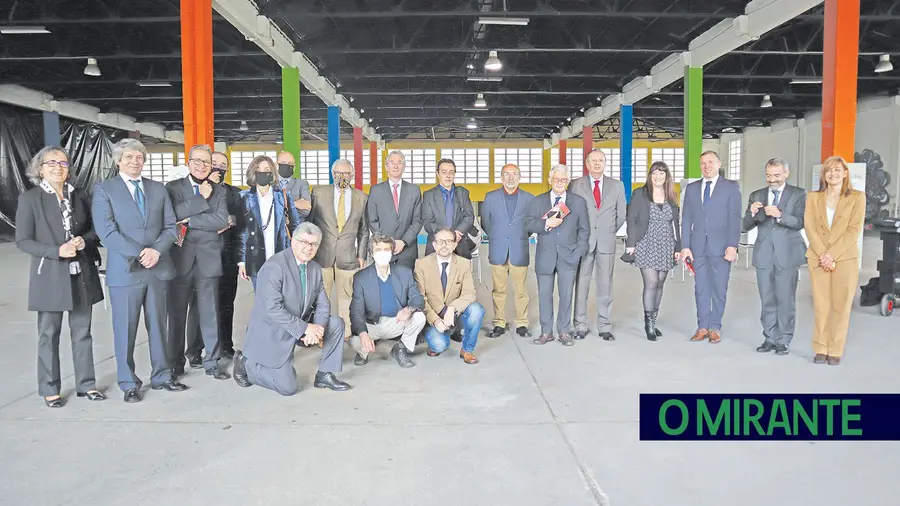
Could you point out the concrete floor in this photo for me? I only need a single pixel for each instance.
(529, 425)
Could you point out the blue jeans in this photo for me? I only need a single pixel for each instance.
(470, 319)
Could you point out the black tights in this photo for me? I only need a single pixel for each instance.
(653, 287)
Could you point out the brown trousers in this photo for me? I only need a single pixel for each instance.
(833, 294)
(344, 280)
(500, 275)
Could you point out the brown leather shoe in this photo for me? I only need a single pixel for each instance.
(544, 339)
(699, 335)
(833, 360)
(468, 357)
(819, 358)
(714, 336)
(565, 340)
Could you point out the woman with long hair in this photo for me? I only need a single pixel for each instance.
(654, 238)
(268, 218)
(834, 218)
(54, 226)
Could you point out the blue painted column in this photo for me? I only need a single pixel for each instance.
(334, 138)
(51, 128)
(626, 133)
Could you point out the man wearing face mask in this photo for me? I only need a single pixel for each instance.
(386, 304)
(231, 244)
(201, 210)
(340, 212)
(296, 188)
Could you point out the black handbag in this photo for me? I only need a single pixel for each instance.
(628, 258)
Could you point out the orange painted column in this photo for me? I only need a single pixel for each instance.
(197, 72)
(840, 65)
(562, 152)
(587, 136)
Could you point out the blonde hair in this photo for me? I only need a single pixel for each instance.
(830, 163)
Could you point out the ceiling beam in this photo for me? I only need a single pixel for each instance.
(551, 13)
(33, 99)
(567, 75)
(48, 21)
(126, 56)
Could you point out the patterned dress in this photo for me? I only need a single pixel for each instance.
(656, 249)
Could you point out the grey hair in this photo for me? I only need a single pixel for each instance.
(33, 171)
(595, 150)
(341, 161)
(308, 227)
(199, 147)
(557, 168)
(779, 162)
(128, 144)
(399, 153)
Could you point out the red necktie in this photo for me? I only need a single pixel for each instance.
(597, 193)
(396, 199)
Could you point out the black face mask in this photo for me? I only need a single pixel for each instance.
(285, 170)
(221, 175)
(263, 178)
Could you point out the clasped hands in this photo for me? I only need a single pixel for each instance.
(313, 334)
(367, 344)
(445, 323)
(826, 262)
(71, 248)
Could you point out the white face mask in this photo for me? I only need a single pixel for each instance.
(382, 258)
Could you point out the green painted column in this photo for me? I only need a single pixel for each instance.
(693, 121)
(290, 107)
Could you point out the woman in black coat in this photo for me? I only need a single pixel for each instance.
(654, 238)
(53, 225)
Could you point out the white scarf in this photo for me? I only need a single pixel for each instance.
(65, 206)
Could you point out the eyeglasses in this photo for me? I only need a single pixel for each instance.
(307, 244)
(54, 164)
(198, 161)
(445, 242)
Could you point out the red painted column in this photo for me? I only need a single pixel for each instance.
(197, 72)
(357, 157)
(840, 65)
(562, 152)
(373, 162)
(587, 136)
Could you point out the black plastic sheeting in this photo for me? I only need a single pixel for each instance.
(21, 136)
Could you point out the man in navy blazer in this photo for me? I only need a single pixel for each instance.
(134, 218)
(710, 233)
(562, 241)
(503, 220)
(386, 304)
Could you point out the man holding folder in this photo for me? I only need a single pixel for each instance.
(560, 219)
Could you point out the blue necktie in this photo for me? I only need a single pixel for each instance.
(196, 190)
(139, 196)
(706, 192)
(444, 276)
(556, 202)
(775, 200)
(448, 209)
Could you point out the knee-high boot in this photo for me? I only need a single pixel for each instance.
(653, 315)
(649, 328)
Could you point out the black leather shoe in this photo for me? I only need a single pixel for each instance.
(93, 395)
(497, 331)
(765, 347)
(580, 334)
(239, 373)
(329, 380)
(132, 395)
(171, 385)
(358, 360)
(781, 349)
(523, 331)
(401, 355)
(229, 353)
(607, 336)
(195, 361)
(218, 374)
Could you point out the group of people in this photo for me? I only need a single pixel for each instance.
(176, 252)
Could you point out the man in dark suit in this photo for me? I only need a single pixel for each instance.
(503, 220)
(295, 187)
(291, 308)
(134, 219)
(605, 197)
(562, 242)
(386, 304)
(200, 209)
(777, 213)
(710, 233)
(228, 281)
(395, 209)
(339, 210)
(448, 206)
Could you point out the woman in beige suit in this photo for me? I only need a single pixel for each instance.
(833, 220)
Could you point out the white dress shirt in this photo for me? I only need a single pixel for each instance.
(712, 187)
(399, 184)
(553, 196)
(440, 268)
(130, 186)
(347, 198)
(386, 276)
(265, 206)
(600, 186)
(772, 194)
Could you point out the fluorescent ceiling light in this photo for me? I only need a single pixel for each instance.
(806, 80)
(492, 63)
(479, 102)
(727, 130)
(481, 79)
(724, 109)
(472, 125)
(154, 84)
(22, 30)
(884, 64)
(495, 20)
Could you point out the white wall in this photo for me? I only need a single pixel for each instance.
(800, 143)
